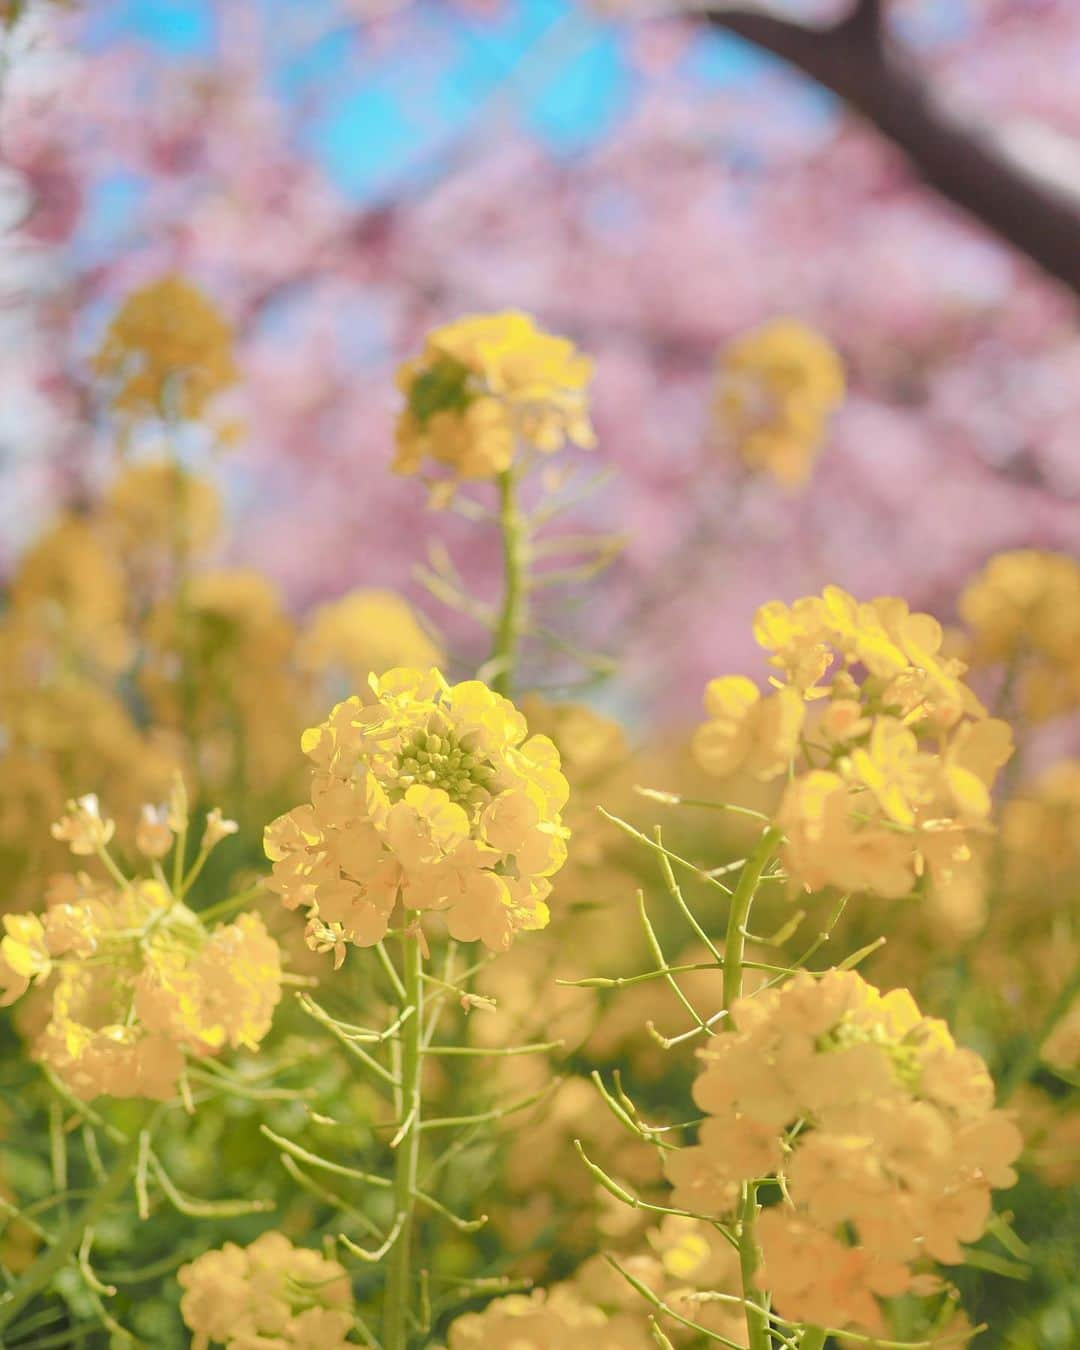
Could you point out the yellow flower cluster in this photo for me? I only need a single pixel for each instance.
(898, 755)
(1023, 611)
(558, 1319)
(883, 1130)
(133, 979)
(485, 385)
(216, 668)
(266, 1296)
(363, 631)
(158, 514)
(167, 352)
(775, 389)
(433, 794)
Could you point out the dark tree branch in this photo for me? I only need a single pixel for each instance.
(959, 158)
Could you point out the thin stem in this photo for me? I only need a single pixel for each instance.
(510, 621)
(67, 1241)
(739, 914)
(757, 1317)
(397, 1299)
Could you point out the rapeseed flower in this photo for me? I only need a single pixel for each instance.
(486, 385)
(884, 1130)
(775, 390)
(269, 1294)
(430, 794)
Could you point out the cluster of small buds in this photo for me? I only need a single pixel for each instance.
(269, 1295)
(430, 794)
(133, 979)
(883, 1132)
(890, 756)
(775, 390)
(484, 385)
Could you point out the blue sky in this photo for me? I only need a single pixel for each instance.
(551, 67)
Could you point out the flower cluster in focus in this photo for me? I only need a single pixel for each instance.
(433, 794)
(484, 385)
(884, 1132)
(891, 758)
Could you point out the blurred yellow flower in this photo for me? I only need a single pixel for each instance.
(69, 592)
(156, 511)
(167, 351)
(775, 390)
(84, 829)
(362, 632)
(558, 1319)
(485, 385)
(748, 732)
(268, 1294)
(1023, 611)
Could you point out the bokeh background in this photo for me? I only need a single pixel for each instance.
(340, 175)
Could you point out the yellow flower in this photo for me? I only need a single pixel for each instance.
(825, 846)
(167, 351)
(434, 795)
(268, 1294)
(157, 511)
(485, 385)
(70, 590)
(223, 994)
(153, 834)
(216, 829)
(898, 756)
(897, 1149)
(136, 983)
(746, 731)
(83, 829)
(558, 1319)
(1024, 609)
(24, 955)
(775, 390)
(365, 631)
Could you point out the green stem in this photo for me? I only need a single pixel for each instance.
(757, 1318)
(508, 629)
(397, 1301)
(37, 1277)
(739, 914)
(813, 1338)
(1024, 1067)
